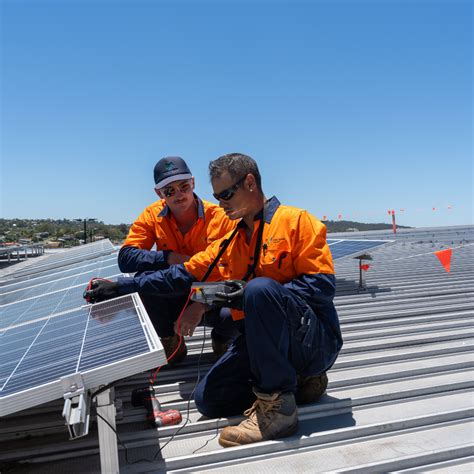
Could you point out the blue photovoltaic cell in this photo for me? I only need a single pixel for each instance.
(45, 305)
(344, 248)
(46, 275)
(81, 340)
(75, 254)
(110, 270)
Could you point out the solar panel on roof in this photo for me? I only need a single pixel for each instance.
(75, 254)
(351, 247)
(54, 283)
(103, 342)
(45, 304)
(56, 273)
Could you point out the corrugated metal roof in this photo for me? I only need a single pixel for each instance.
(399, 396)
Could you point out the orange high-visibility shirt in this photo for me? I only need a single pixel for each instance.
(157, 226)
(293, 244)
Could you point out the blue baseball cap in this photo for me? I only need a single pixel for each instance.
(169, 169)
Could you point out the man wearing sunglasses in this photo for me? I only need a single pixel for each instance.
(280, 268)
(169, 232)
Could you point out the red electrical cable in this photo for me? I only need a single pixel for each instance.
(155, 373)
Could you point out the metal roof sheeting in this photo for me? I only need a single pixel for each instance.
(399, 396)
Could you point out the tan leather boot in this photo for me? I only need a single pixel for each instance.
(311, 389)
(272, 416)
(170, 344)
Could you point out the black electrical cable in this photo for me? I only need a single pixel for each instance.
(188, 409)
(116, 434)
(210, 439)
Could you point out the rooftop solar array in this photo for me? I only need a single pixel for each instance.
(60, 259)
(47, 332)
(59, 280)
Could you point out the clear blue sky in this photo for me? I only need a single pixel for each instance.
(349, 107)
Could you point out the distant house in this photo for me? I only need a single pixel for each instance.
(42, 235)
(98, 237)
(52, 244)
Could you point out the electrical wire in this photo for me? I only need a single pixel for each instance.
(116, 434)
(180, 341)
(188, 408)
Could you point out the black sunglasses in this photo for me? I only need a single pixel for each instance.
(228, 193)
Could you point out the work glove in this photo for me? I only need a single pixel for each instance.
(100, 290)
(233, 299)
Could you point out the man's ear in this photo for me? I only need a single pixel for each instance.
(250, 182)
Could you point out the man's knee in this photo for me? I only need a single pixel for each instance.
(202, 406)
(261, 294)
(208, 405)
(259, 287)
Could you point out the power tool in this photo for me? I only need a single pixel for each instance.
(146, 397)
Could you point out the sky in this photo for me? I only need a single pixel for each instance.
(350, 108)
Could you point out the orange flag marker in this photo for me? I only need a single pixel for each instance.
(444, 257)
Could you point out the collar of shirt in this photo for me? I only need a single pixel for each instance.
(270, 207)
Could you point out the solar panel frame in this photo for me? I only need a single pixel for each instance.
(93, 376)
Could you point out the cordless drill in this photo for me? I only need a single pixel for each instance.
(145, 397)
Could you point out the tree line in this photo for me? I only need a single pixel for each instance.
(12, 230)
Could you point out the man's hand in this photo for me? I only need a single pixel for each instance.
(190, 319)
(175, 258)
(234, 299)
(100, 290)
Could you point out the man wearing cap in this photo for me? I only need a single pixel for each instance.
(280, 269)
(177, 226)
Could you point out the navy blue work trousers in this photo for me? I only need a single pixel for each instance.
(164, 311)
(280, 338)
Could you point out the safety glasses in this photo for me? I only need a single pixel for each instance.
(171, 191)
(228, 193)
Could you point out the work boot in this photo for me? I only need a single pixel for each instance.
(310, 389)
(272, 416)
(219, 347)
(170, 344)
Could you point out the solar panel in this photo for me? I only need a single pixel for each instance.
(46, 304)
(75, 254)
(54, 284)
(352, 247)
(102, 342)
(56, 273)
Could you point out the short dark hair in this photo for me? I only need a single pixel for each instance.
(237, 165)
